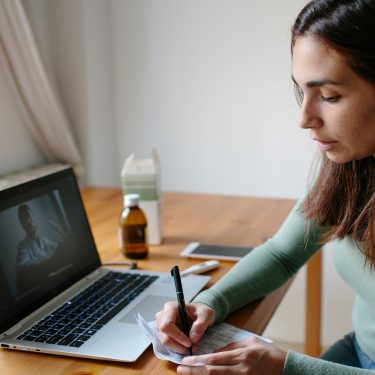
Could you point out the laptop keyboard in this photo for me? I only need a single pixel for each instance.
(73, 323)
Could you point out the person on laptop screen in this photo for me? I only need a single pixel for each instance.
(36, 254)
(333, 65)
(34, 248)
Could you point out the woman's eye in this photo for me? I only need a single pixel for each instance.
(331, 99)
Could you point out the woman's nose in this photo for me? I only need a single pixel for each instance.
(309, 116)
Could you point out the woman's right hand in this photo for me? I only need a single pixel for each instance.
(171, 335)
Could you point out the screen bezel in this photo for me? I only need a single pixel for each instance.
(29, 186)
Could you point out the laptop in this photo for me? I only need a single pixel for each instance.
(56, 296)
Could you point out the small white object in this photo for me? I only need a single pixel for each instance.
(201, 267)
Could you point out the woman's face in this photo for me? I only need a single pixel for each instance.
(338, 106)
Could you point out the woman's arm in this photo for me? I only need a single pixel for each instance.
(300, 364)
(254, 356)
(266, 267)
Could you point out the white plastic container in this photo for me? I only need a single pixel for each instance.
(142, 176)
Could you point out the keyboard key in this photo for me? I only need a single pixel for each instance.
(67, 340)
(54, 339)
(90, 332)
(76, 344)
(84, 337)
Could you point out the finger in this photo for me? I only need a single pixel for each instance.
(205, 370)
(252, 340)
(172, 344)
(168, 330)
(174, 335)
(230, 346)
(214, 359)
(198, 328)
(197, 370)
(168, 314)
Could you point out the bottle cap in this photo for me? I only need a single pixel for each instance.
(131, 200)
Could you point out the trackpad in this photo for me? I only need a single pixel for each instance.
(148, 307)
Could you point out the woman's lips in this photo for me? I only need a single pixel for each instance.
(325, 145)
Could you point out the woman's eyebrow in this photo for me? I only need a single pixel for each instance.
(320, 82)
(323, 82)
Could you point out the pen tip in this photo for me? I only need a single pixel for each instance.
(173, 270)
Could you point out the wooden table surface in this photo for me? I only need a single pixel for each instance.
(187, 217)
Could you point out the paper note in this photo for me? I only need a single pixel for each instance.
(215, 337)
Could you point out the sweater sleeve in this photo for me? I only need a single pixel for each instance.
(266, 267)
(300, 364)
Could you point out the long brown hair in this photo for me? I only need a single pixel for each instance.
(343, 195)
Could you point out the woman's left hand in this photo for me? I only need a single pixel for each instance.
(252, 356)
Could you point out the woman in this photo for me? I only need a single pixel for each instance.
(333, 49)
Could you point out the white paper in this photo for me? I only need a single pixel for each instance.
(215, 337)
(160, 350)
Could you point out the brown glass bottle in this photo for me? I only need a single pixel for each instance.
(133, 228)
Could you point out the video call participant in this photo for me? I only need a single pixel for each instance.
(36, 254)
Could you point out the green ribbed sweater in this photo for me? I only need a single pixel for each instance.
(268, 266)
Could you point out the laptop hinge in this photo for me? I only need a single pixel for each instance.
(11, 330)
(93, 275)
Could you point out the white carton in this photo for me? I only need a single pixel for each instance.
(153, 212)
(142, 176)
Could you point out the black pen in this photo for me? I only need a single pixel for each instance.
(175, 272)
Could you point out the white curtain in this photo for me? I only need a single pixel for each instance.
(39, 102)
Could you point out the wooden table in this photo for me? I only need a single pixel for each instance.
(187, 218)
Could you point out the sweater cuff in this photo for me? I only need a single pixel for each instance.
(300, 364)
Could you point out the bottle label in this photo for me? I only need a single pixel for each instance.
(135, 234)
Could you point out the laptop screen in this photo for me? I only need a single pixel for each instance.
(46, 243)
